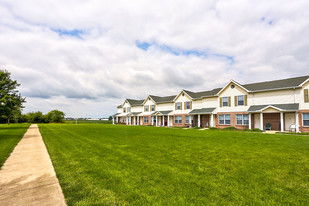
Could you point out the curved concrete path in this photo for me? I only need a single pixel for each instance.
(28, 177)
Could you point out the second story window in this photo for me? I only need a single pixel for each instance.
(124, 110)
(225, 101)
(129, 109)
(240, 100)
(146, 108)
(178, 106)
(188, 105)
(153, 108)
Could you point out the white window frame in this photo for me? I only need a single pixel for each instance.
(124, 110)
(305, 119)
(242, 102)
(146, 108)
(225, 119)
(124, 119)
(178, 104)
(153, 108)
(178, 120)
(187, 120)
(244, 119)
(129, 109)
(146, 119)
(188, 103)
(154, 119)
(223, 101)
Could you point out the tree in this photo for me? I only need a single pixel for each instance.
(10, 100)
(55, 116)
(110, 118)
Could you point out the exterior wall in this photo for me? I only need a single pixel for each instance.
(197, 104)
(229, 92)
(301, 127)
(209, 102)
(274, 97)
(119, 110)
(183, 124)
(149, 120)
(182, 98)
(273, 119)
(289, 119)
(165, 106)
(137, 109)
(233, 120)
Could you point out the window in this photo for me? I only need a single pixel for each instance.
(178, 120)
(154, 119)
(123, 119)
(225, 119)
(225, 101)
(152, 107)
(178, 106)
(129, 109)
(188, 105)
(242, 119)
(146, 108)
(240, 100)
(188, 120)
(306, 119)
(146, 119)
(124, 110)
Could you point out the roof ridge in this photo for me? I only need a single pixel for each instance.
(276, 80)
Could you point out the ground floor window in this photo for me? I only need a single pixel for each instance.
(188, 120)
(224, 119)
(123, 119)
(242, 119)
(154, 119)
(305, 119)
(178, 120)
(146, 119)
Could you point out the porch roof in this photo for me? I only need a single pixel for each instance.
(203, 111)
(134, 113)
(162, 112)
(280, 107)
(115, 115)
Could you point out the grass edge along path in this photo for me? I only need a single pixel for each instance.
(10, 135)
(114, 164)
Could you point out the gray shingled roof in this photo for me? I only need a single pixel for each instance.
(162, 112)
(158, 99)
(134, 102)
(197, 95)
(115, 114)
(277, 84)
(202, 111)
(284, 107)
(134, 113)
(119, 106)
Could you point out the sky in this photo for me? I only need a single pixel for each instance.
(86, 57)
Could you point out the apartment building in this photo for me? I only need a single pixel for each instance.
(281, 105)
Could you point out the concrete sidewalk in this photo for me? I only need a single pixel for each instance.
(28, 177)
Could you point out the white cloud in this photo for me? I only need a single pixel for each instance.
(267, 39)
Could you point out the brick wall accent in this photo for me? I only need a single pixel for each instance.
(273, 119)
(300, 119)
(149, 120)
(233, 120)
(183, 124)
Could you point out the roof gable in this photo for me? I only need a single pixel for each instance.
(232, 82)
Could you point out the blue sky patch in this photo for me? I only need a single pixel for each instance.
(74, 33)
(182, 52)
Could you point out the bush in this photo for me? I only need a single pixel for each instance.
(213, 128)
(256, 130)
(230, 128)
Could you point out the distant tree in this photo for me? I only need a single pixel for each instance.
(55, 116)
(10, 100)
(110, 118)
(36, 117)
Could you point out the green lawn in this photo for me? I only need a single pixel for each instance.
(9, 137)
(99, 164)
(88, 121)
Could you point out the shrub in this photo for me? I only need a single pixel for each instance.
(230, 128)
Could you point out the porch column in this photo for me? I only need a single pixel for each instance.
(261, 121)
(130, 121)
(162, 118)
(151, 120)
(113, 120)
(190, 119)
(199, 120)
(127, 119)
(211, 120)
(156, 121)
(134, 120)
(297, 122)
(168, 120)
(117, 120)
(249, 120)
(281, 121)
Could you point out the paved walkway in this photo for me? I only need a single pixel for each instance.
(28, 177)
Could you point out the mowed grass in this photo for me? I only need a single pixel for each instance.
(10, 135)
(117, 165)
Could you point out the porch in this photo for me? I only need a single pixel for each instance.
(162, 118)
(202, 117)
(277, 117)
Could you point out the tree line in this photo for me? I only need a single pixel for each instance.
(11, 105)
